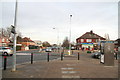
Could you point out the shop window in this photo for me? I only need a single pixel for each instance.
(3, 40)
(97, 40)
(89, 40)
(82, 40)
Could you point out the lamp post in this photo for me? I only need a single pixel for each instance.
(14, 47)
(57, 38)
(69, 52)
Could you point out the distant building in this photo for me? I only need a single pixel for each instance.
(4, 41)
(38, 42)
(27, 43)
(89, 41)
(117, 43)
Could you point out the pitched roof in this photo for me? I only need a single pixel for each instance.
(25, 39)
(90, 35)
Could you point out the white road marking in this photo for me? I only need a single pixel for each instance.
(67, 68)
(70, 76)
(23, 53)
(69, 72)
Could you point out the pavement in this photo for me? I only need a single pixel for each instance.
(69, 67)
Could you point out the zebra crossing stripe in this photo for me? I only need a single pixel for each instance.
(69, 72)
(67, 76)
(67, 68)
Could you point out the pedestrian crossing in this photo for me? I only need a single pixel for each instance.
(70, 71)
(70, 76)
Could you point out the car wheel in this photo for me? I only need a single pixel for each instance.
(98, 57)
(11, 54)
(5, 54)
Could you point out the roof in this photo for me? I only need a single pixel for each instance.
(118, 42)
(25, 39)
(90, 35)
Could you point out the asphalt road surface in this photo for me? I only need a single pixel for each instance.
(25, 56)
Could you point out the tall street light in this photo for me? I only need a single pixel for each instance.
(14, 47)
(70, 37)
(57, 38)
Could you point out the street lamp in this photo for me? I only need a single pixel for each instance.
(57, 38)
(14, 47)
(69, 52)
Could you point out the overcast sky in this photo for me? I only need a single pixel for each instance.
(37, 19)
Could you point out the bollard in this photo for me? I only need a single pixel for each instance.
(31, 58)
(61, 56)
(72, 51)
(48, 57)
(116, 56)
(5, 62)
(78, 55)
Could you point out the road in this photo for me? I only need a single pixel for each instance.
(25, 56)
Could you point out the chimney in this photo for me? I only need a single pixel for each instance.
(91, 31)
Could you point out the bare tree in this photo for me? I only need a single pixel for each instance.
(46, 44)
(65, 42)
(6, 32)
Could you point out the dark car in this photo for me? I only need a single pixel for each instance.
(96, 55)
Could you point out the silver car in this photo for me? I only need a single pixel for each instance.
(48, 49)
(6, 51)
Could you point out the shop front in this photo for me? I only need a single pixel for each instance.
(87, 46)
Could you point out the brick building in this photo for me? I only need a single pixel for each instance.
(89, 41)
(27, 43)
(4, 41)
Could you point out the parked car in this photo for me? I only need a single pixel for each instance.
(48, 49)
(73, 48)
(96, 55)
(6, 51)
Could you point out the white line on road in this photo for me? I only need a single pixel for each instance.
(69, 72)
(23, 54)
(70, 76)
(67, 68)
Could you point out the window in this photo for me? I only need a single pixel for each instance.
(82, 40)
(89, 40)
(3, 40)
(97, 40)
(7, 40)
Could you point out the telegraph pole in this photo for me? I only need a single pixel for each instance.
(14, 47)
